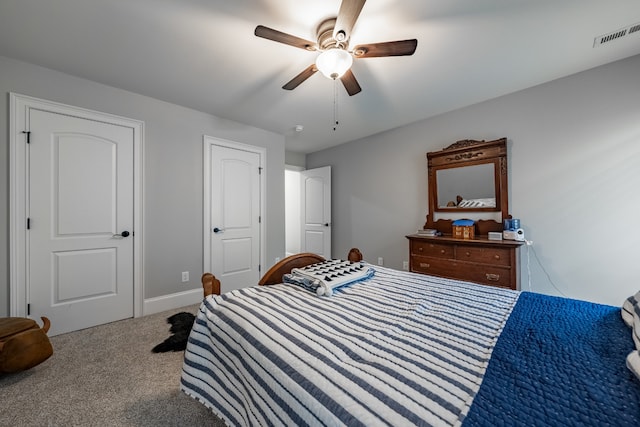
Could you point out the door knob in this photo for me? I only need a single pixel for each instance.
(218, 230)
(123, 234)
(326, 224)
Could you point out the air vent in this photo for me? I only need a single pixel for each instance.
(615, 35)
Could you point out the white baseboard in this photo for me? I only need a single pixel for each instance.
(169, 302)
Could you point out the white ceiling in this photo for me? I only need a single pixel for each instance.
(202, 54)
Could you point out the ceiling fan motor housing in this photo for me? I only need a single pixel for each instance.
(325, 36)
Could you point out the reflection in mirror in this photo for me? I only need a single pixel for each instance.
(466, 187)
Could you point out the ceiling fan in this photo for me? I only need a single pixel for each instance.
(333, 36)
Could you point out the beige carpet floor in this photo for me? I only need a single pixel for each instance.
(105, 376)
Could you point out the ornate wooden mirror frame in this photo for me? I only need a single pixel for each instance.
(464, 153)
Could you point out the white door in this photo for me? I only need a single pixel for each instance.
(235, 216)
(315, 211)
(80, 209)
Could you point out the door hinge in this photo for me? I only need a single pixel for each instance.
(28, 132)
(28, 223)
(259, 268)
(259, 170)
(259, 219)
(28, 309)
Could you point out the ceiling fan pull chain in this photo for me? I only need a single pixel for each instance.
(335, 104)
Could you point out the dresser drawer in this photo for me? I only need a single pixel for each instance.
(494, 256)
(431, 265)
(486, 274)
(431, 249)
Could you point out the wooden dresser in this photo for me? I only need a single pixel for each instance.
(480, 260)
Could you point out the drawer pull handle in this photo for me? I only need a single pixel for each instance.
(441, 251)
(424, 265)
(420, 249)
(493, 277)
(467, 254)
(496, 256)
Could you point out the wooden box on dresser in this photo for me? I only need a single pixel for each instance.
(480, 260)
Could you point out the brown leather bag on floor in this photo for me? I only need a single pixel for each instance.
(23, 344)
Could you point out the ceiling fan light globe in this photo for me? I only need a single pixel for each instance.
(333, 63)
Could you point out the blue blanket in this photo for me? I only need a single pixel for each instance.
(559, 362)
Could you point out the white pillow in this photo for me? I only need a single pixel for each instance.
(636, 325)
(633, 363)
(631, 315)
(627, 309)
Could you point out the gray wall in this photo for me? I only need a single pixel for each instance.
(574, 181)
(172, 178)
(294, 159)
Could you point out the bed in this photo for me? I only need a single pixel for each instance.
(399, 348)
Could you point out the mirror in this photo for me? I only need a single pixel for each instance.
(468, 176)
(466, 187)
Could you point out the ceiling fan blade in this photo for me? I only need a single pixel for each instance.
(347, 17)
(295, 82)
(280, 37)
(397, 48)
(350, 83)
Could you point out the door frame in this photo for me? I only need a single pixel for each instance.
(207, 143)
(19, 195)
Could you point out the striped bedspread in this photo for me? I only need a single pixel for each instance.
(397, 349)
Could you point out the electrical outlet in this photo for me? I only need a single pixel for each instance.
(185, 276)
(405, 265)
(380, 261)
